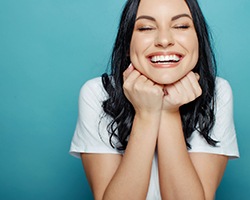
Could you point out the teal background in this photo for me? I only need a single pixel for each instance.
(48, 49)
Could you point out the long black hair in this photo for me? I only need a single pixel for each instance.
(197, 115)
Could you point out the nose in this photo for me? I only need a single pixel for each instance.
(164, 39)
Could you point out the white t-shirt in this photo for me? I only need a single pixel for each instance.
(91, 135)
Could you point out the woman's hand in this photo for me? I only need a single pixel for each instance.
(181, 92)
(145, 95)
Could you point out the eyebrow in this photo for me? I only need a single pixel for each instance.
(172, 19)
(181, 15)
(145, 17)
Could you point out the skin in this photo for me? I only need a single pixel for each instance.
(157, 91)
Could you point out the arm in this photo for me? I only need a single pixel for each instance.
(127, 177)
(183, 175)
(210, 169)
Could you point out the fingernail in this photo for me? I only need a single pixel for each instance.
(130, 66)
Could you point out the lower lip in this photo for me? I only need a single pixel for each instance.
(164, 65)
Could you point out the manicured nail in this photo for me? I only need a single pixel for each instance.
(130, 66)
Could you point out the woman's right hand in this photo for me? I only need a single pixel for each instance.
(144, 94)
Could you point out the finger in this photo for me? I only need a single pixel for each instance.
(197, 76)
(132, 75)
(128, 71)
(130, 78)
(193, 79)
(171, 91)
(156, 88)
(187, 85)
(171, 98)
(188, 91)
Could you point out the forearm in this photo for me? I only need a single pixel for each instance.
(177, 175)
(132, 177)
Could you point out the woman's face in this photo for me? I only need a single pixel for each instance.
(164, 44)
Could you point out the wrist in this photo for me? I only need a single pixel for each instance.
(148, 116)
(168, 116)
(173, 111)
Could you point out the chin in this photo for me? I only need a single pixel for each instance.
(165, 80)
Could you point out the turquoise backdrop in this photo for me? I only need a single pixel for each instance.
(48, 49)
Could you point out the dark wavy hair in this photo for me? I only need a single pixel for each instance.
(196, 115)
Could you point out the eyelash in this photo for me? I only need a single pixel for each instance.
(182, 27)
(145, 29)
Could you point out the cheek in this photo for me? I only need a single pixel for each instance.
(196, 50)
(132, 50)
(189, 40)
(193, 44)
(135, 50)
(140, 43)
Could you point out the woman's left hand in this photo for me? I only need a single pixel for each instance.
(181, 92)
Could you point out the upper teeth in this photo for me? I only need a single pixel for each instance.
(165, 58)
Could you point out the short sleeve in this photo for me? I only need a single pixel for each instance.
(224, 129)
(91, 135)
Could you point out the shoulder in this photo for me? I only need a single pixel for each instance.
(224, 129)
(92, 85)
(223, 101)
(93, 90)
(222, 85)
(223, 91)
(91, 134)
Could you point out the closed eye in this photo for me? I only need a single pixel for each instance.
(182, 27)
(145, 28)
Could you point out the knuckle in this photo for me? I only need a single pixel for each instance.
(126, 85)
(157, 92)
(137, 86)
(200, 92)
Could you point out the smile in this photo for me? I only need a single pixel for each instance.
(165, 59)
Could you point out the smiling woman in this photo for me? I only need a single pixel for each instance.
(161, 124)
(167, 32)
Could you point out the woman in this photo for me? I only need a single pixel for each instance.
(161, 125)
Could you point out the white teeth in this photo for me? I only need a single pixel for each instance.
(166, 58)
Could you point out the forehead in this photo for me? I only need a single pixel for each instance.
(162, 7)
